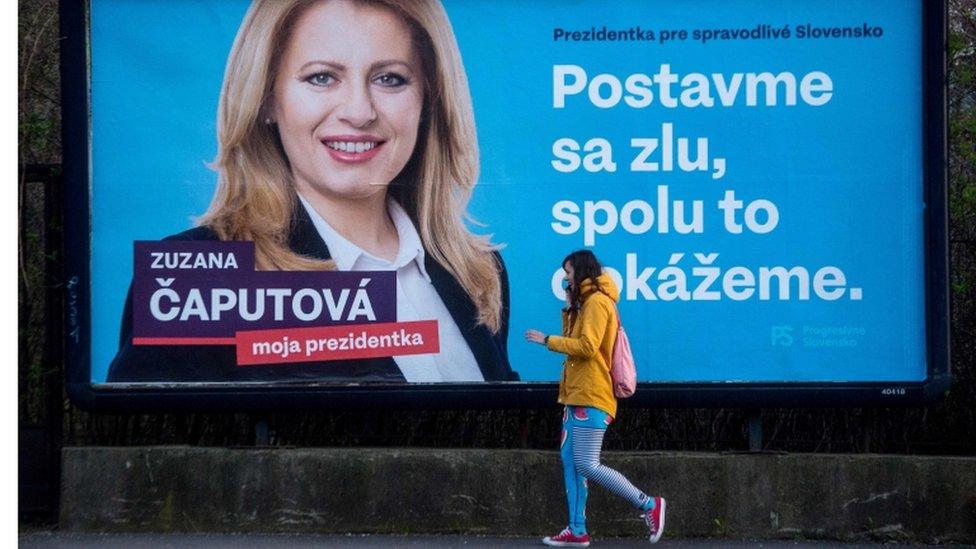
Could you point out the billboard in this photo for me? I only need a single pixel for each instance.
(358, 204)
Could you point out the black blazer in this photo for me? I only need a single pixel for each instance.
(217, 363)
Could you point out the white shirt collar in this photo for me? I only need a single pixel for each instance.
(346, 254)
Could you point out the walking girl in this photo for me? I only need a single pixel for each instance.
(589, 323)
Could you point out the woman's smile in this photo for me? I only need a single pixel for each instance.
(353, 149)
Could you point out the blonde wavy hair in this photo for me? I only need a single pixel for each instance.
(255, 196)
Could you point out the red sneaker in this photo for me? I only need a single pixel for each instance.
(567, 539)
(654, 519)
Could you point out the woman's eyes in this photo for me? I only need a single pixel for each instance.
(320, 79)
(387, 79)
(391, 80)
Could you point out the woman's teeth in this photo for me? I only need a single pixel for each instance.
(351, 146)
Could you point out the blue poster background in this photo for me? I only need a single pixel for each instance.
(846, 177)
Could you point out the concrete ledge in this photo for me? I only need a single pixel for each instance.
(183, 489)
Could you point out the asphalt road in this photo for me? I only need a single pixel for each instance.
(52, 540)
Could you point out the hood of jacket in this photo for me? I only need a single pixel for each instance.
(603, 283)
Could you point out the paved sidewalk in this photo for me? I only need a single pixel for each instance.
(52, 540)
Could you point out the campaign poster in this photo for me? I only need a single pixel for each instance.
(750, 174)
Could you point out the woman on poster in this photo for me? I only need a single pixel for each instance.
(347, 141)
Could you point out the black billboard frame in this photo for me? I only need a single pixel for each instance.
(163, 397)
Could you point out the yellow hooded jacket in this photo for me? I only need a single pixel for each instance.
(588, 345)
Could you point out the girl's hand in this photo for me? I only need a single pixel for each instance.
(535, 336)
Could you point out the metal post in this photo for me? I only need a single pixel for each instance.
(755, 432)
(523, 428)
(261, 437)
(867, 430)
(54, 346)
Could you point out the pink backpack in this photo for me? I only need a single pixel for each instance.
(623, 372)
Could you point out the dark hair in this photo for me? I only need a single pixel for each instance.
(585, 265)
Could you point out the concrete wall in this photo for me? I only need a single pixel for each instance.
(164, 489)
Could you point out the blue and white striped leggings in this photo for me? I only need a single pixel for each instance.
(582, 440)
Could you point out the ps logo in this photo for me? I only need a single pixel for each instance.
(781, 335)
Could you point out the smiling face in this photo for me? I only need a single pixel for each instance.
(347, 99)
